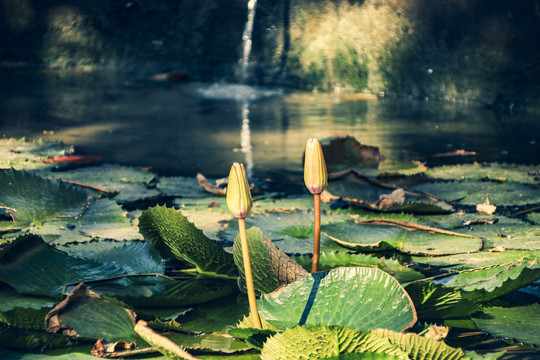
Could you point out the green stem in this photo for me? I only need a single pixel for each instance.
(248, 275)
(317, 231)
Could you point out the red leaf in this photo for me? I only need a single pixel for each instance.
(74, 159)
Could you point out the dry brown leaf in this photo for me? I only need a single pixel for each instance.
(486, 207)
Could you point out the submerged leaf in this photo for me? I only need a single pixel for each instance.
(361, 298)
(175, 237)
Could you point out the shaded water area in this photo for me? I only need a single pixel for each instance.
(182, 129)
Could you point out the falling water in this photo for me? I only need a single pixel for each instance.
(246, 39)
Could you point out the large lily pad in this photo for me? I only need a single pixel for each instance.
(476, 260)
(519, 324)
(23, 311)
(360, 298)
(175, 237)
(474, 192)
(30, 199)
(382, 237)
(323, 342)
(31, 266)
(498, 172)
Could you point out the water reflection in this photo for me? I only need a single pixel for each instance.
(178, 130)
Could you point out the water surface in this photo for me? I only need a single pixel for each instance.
(182, 129)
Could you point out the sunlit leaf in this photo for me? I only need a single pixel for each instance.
(360, 298)
(209, 343)
(22, 154)
(174, 236)
(474, 260)
(519, 324)
(323, 342)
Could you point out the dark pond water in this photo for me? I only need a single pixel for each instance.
(183, 129)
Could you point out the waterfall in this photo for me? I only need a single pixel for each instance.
(246, 40)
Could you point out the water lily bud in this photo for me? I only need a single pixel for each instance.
(238, 195)
(315, 173)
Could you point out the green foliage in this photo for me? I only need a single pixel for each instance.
(176, 237)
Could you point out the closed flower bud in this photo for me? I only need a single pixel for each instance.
(315, 173)
(238, 195)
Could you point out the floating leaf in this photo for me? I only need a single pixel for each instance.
(174, 236)
(474, 192)
(331, 260)
(135, 257)
(131, 183)
(84, 314)
(323, 342)
(209, 343)
(29, 199)
(361, 298)
(489, 283)
(271, 267)
(29, 339)
(158, 291)
(29, 265)
(475, 260)
(519, 324)
(282, 229)
(498, 172)
(22, 154)
(383, 237)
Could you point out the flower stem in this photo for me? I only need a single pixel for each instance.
(317, 231)
(248, 275)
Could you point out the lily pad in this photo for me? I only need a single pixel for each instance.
(30, 266)
(360, 298)
(498, 172)
(30, 199)
(519, 324)
(489, 283)
(331, 260)
(474, 192)
(178, 186)
(22, 154)
(23, 311)
(209, 343)
(131, 183)
(84, 314)
(175, 237)
(290, 232)
(476, 260)
(383, 237)
(323, 342)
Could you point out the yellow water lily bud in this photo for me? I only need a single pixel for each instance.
(239, 198)
(315, 173)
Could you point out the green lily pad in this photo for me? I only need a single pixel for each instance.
(23, 311)
(135, 257)
(492, 282)
(86, 315)
(210, 214)
(360, 298)
(271, 267)
(521, 236)
(131, 183)
(29, 339)
(178, 186)
(383, 237)
(30, 266)
(208, 343)
(332, 260)
(104, 219)
(498, 172)
(158, 291)
(519, 324)
(290, 232)
(474, 192)
(22, 154)
(323, 342)
(476, 260)
(175, 237)
(30, 199)
(533, 217)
